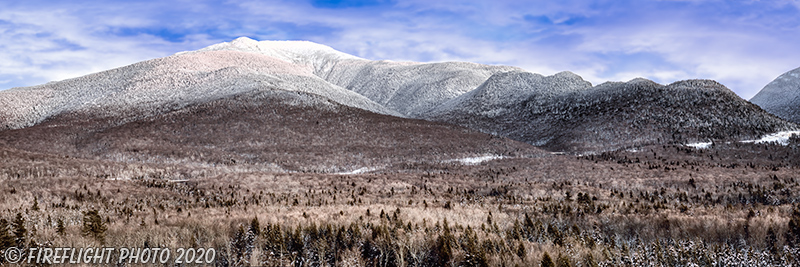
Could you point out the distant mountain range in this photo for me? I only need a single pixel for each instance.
(295, 105)
(563, 113)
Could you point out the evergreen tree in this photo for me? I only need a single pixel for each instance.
(475, 257)
(563, 261)
(529, 227)
(242, 246)
(521, 251)
(6, 239)
(93, 226)
(555, 234)
(60, 228)
(255, 227)
(590, 261)
(547, 261)
(443, 250)
(771, 241)
(18, 227)
(35, 206)
(793, 233)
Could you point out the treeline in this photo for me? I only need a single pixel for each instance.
(529, 242)
(393, 242)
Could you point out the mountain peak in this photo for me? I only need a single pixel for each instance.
(244, 39)
(568, 74)
(640, 80)
(291, 51)
(243, 43)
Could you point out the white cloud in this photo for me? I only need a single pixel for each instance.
(743, 52)
(42, 45)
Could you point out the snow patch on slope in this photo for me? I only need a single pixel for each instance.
(475, 160)
(359, 170)
(700, 145)
(781, 138)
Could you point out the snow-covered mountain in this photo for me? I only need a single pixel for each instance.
(248, 103)
(164, 84)
(781, 96)
(559, 112)
(409, 88)
(505, 91)
(565, 113)
(412, 89)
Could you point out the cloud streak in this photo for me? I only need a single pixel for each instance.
(743, 44)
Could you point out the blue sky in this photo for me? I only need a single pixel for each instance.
(743, 44)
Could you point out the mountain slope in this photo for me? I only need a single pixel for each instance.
(164, 84)
(412, 89)
(545, 111)
(266, 128)
(409, 88)
(562, 112)
(781, 96)
(246, 104)
(619, 115)
(505, 91)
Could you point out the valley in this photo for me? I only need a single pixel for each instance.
(614, 209)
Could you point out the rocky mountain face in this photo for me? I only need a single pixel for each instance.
(276, 102)
(782, 96)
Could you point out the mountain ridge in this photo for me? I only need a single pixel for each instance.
(560, 112)
(175, 80)
(272, 130)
